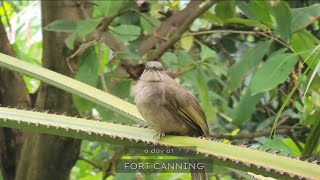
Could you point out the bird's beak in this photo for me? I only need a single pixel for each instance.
(151, 74)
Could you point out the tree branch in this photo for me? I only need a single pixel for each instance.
(177, 24)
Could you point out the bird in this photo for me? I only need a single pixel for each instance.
(166, 106)
(169, 108)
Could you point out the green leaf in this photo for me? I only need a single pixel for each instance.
(275, 71)
(262, 10)
(247, 63)
(302, 17)
(147, 26)
(127, 55)
(246, 22)
(206, 52)
(107, 8)
(212, 18)
(225, 9)
(276, 144)
(62, 26)
(87, 73)
(186, 41)
(170, 59)
(85, 27)
(126, 32)
(313, 139)
(303, 43)
(246, 107)
(70, 40)
(282, 14)
(247, 10)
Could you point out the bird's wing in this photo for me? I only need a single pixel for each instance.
(185, 107)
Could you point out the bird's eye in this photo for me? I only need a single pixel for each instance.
(161, 69)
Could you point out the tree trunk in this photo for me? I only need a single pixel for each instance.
(13, 93)
(45, 156)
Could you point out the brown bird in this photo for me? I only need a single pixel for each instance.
(168, 108)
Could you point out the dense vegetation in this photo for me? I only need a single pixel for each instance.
(253, 66)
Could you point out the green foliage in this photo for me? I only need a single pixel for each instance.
(277, 67)
(87, 73)
(302, 17)
(248, 62)
(282, 14)
(126, 32)
(235, 58)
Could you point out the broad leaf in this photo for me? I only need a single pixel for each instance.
(275, 71)
(303, 43)
(147, 26)
(247, 105)
(248, 62)
(126, 32)
(282, 14)
(225, 9)
(262, 10)
(302, 17)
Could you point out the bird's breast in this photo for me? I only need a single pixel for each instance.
(150, 93)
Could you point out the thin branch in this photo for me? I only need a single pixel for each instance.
(116, 156)
(80, 50)
(102, 79)
(178, 31)
(90, 162)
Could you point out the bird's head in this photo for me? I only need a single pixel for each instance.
(152, 72)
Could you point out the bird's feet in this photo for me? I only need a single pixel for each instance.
(158, 135)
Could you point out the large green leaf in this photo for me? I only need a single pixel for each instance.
(248, 62)
(225, 9)
(87, 73)
(147, 26)
(62, 26)
(303, 43)
(247, 105)
(262, 10)
(275, 71)
(78, 28)
(282, 14)
(247, 10)
(106, 8)
(302, 17)
(126, 32)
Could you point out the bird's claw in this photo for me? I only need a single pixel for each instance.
(158, 135)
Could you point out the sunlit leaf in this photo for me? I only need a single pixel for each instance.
(275, 71)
